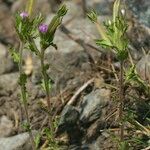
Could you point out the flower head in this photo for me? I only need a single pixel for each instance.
(43, 28)
(24, 15)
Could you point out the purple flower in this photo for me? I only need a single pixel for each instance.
(24, 15)
(43, 28)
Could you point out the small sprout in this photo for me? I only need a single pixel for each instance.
(62, 11)
(15, 55)
(43, 28)
(131, 74)
(24, 15)
(116, 9)
(92, 16)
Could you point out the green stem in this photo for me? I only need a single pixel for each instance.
(24, 99)
(121, 105)
(46, 85)
(30, 6)
(20, 54)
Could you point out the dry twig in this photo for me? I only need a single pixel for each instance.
(72, 100)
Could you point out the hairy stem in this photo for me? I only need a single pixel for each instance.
(47, 88)
(30, 131)
(30, 6)
(24, 99)
(121, 98)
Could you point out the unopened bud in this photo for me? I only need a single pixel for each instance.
(24, 15)
(123, 12)
(109, 22)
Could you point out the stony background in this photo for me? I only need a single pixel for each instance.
(71, 66)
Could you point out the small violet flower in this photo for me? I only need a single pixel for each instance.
(24, 15)
(43, 28)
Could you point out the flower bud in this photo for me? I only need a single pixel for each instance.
(43, 28)
(62, 11)
(92, 16)
(24, 15)
(123, 12)
(109, 22)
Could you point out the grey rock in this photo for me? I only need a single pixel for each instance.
(67, 45)
(6, 63)
(6, 126)
(67, 70)
(18, 142)
(68, 119)
(9, 82)
(104, 141)
(102, 7)
(9, 2)
(142, 109)
(3, 50)
(69, 115)
(7, 34)
(36, 77)
(83, 147)
(92, 105)
(83, 29)
(74, 147)
(73, 9)
(143, 68)
(141, 10)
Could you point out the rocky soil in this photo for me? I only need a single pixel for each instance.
(81, 93)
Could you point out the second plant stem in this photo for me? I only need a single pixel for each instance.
(121, 100)
(47, 90)
(24, 98)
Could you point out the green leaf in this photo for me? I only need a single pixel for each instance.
(27, 27)
(92, 16)
(62, 11)
(130, 74)
(43, 85)
(15, 55)
(47, 85)
(116, 8)
(26, 126)
(37, 20)
(46, 67)
(103, 43)
(23, 79)
(122, 55)
(33, 47)
(124, 145)
(37, 140)
(114, 36)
